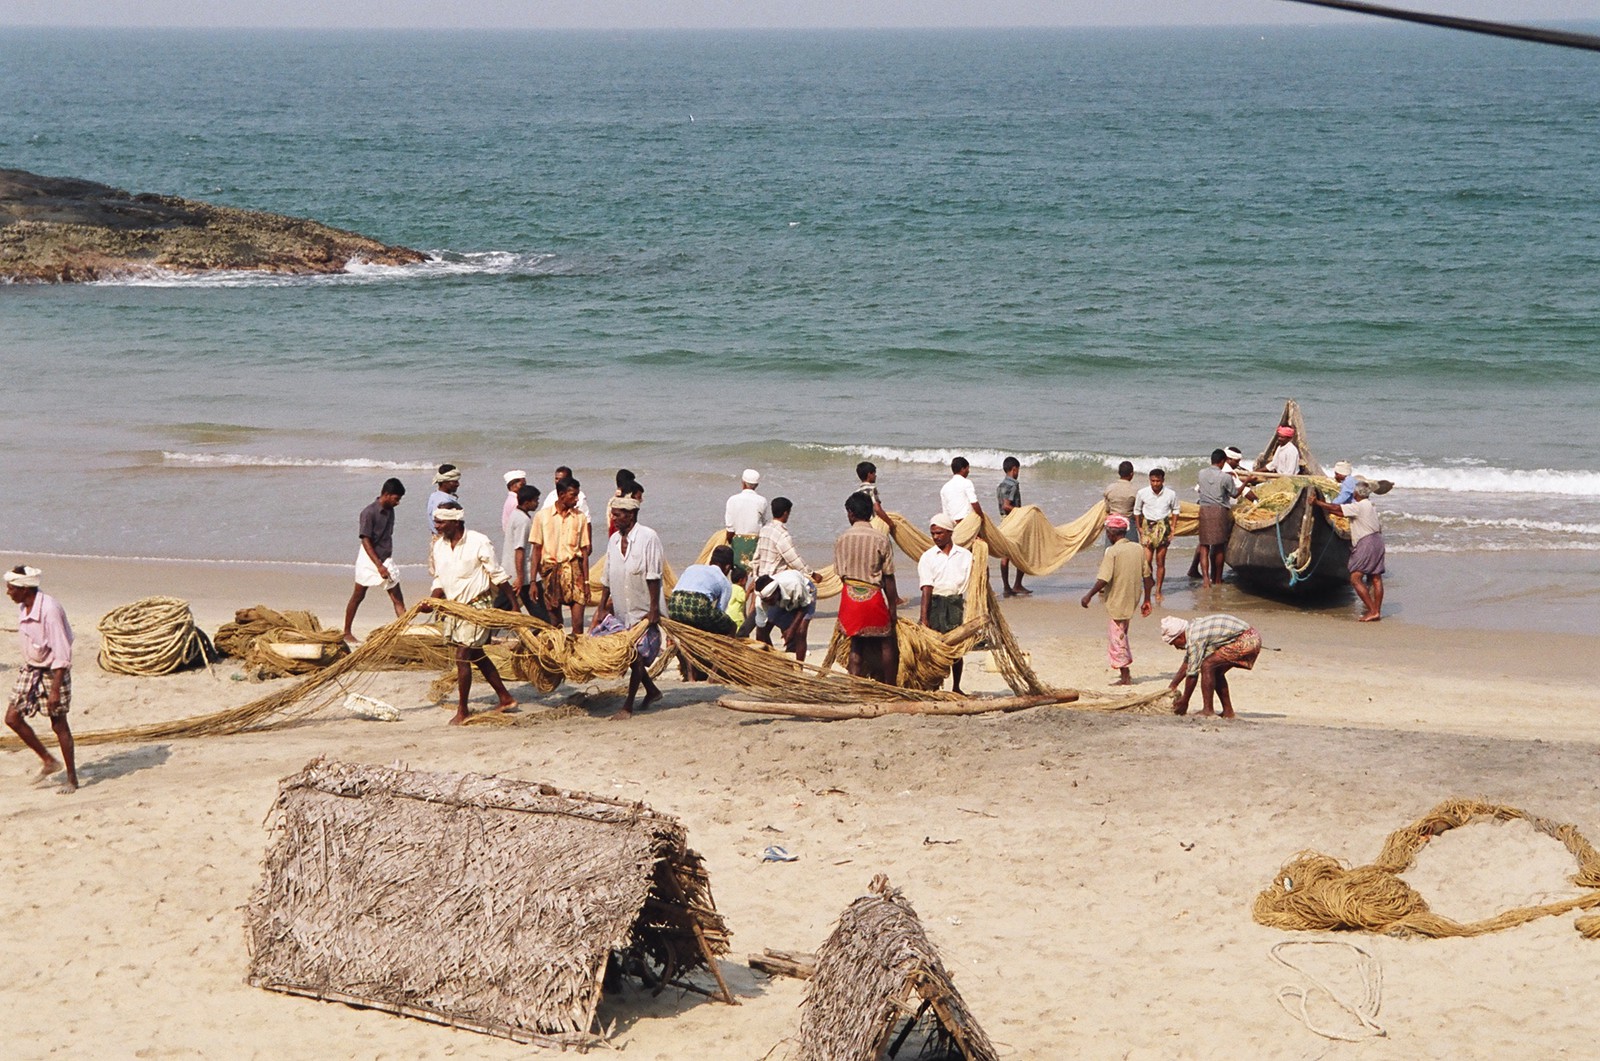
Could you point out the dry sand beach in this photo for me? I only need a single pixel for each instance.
(1087, 877)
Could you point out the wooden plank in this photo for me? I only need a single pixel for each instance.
(975, 706)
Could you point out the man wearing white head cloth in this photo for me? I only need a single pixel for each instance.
(1211, 645)
(445, 484)
(943, 571)
(44, 680)
(464, 570)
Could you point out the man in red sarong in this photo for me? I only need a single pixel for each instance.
(864, 558)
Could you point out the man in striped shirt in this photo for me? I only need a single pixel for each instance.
(1211, 645)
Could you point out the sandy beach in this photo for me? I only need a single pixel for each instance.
(1087, 877)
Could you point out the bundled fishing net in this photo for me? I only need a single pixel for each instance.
(255, 634)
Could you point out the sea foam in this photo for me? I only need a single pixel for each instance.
(245, 460)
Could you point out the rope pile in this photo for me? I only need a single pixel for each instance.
(156, 635)
(1316, 892)
(254, 630)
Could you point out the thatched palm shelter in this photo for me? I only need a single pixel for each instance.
(479, 902)
(878, 973)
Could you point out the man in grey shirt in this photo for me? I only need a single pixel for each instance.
(1217, 491)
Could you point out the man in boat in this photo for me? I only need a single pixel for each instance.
(1155, 507)
(1217, 493)
(1122, 569)
(1120, 496)
(943, 572)
(632, 595)
(561, 540)
(1366, 547)
(375, 526)
(864, 558)
(1212, 645)
(44, 678)
(744, 515)
(1009, 496)
(464, 570)
(1286, 458)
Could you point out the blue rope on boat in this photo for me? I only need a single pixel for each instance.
(1295, 577)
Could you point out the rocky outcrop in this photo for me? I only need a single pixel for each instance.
(59, 230)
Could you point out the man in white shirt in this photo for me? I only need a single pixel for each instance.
(632, 593)
(582, 504)
(743, 517)
(1286, 458)
(775, 553)
(464, 570)
(1155, 506)
(958, 498)
(788, 601)
(943, 572)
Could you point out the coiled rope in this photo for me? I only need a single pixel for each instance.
(1317, 892)
(156, 635)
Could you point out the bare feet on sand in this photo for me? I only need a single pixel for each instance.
(1122, 681)
(1370, 617)
(47, 771)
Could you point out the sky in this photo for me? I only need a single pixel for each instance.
(735, 14)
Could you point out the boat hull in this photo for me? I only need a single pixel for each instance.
(1257, 557)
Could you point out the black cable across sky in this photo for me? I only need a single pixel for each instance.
(1561, 38)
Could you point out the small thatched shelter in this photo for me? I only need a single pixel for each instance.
(479, 902)
(878, 982)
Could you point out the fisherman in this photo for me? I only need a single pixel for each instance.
(863, 557)
(561, 541)
(1120, 496)
(1122, 569)
(446, 484)
(375, 526)
(943, 572)
(744, 515)
(1009, 496)
(463, 567)
(957, 496)
(44, 678)
(632, 594)
(1212, 646)
(1217, 493)
(626, 482)
(1366, 547)
(775, 552)
(1156, 506)
(788, 601)
(516, 552)
(515, 480)
(867, 473)
(1286, 458)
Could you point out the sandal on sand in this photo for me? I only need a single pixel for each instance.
(774, 853)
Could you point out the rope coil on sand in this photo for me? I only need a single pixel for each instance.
(1317, 892)
(156, 635)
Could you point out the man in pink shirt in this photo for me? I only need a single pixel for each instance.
(44, 678)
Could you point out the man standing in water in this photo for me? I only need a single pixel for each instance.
(864, 558)
(44, 678)
(1366, 547)
(446, 483)
(1119, 497)
(376, 529)
(463, 567)
(1010, 496)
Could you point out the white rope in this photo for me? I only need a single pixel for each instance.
(1296, 1000)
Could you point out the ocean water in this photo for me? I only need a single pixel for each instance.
(686, 253)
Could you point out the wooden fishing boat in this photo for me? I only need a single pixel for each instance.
(1283, 543)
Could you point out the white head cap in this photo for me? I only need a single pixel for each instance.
(751, 476)
(27, 578)
(1233, 453)
(1342, 468)
(513, 476)
(449, 514)
(943, 522)
(1172, 628)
